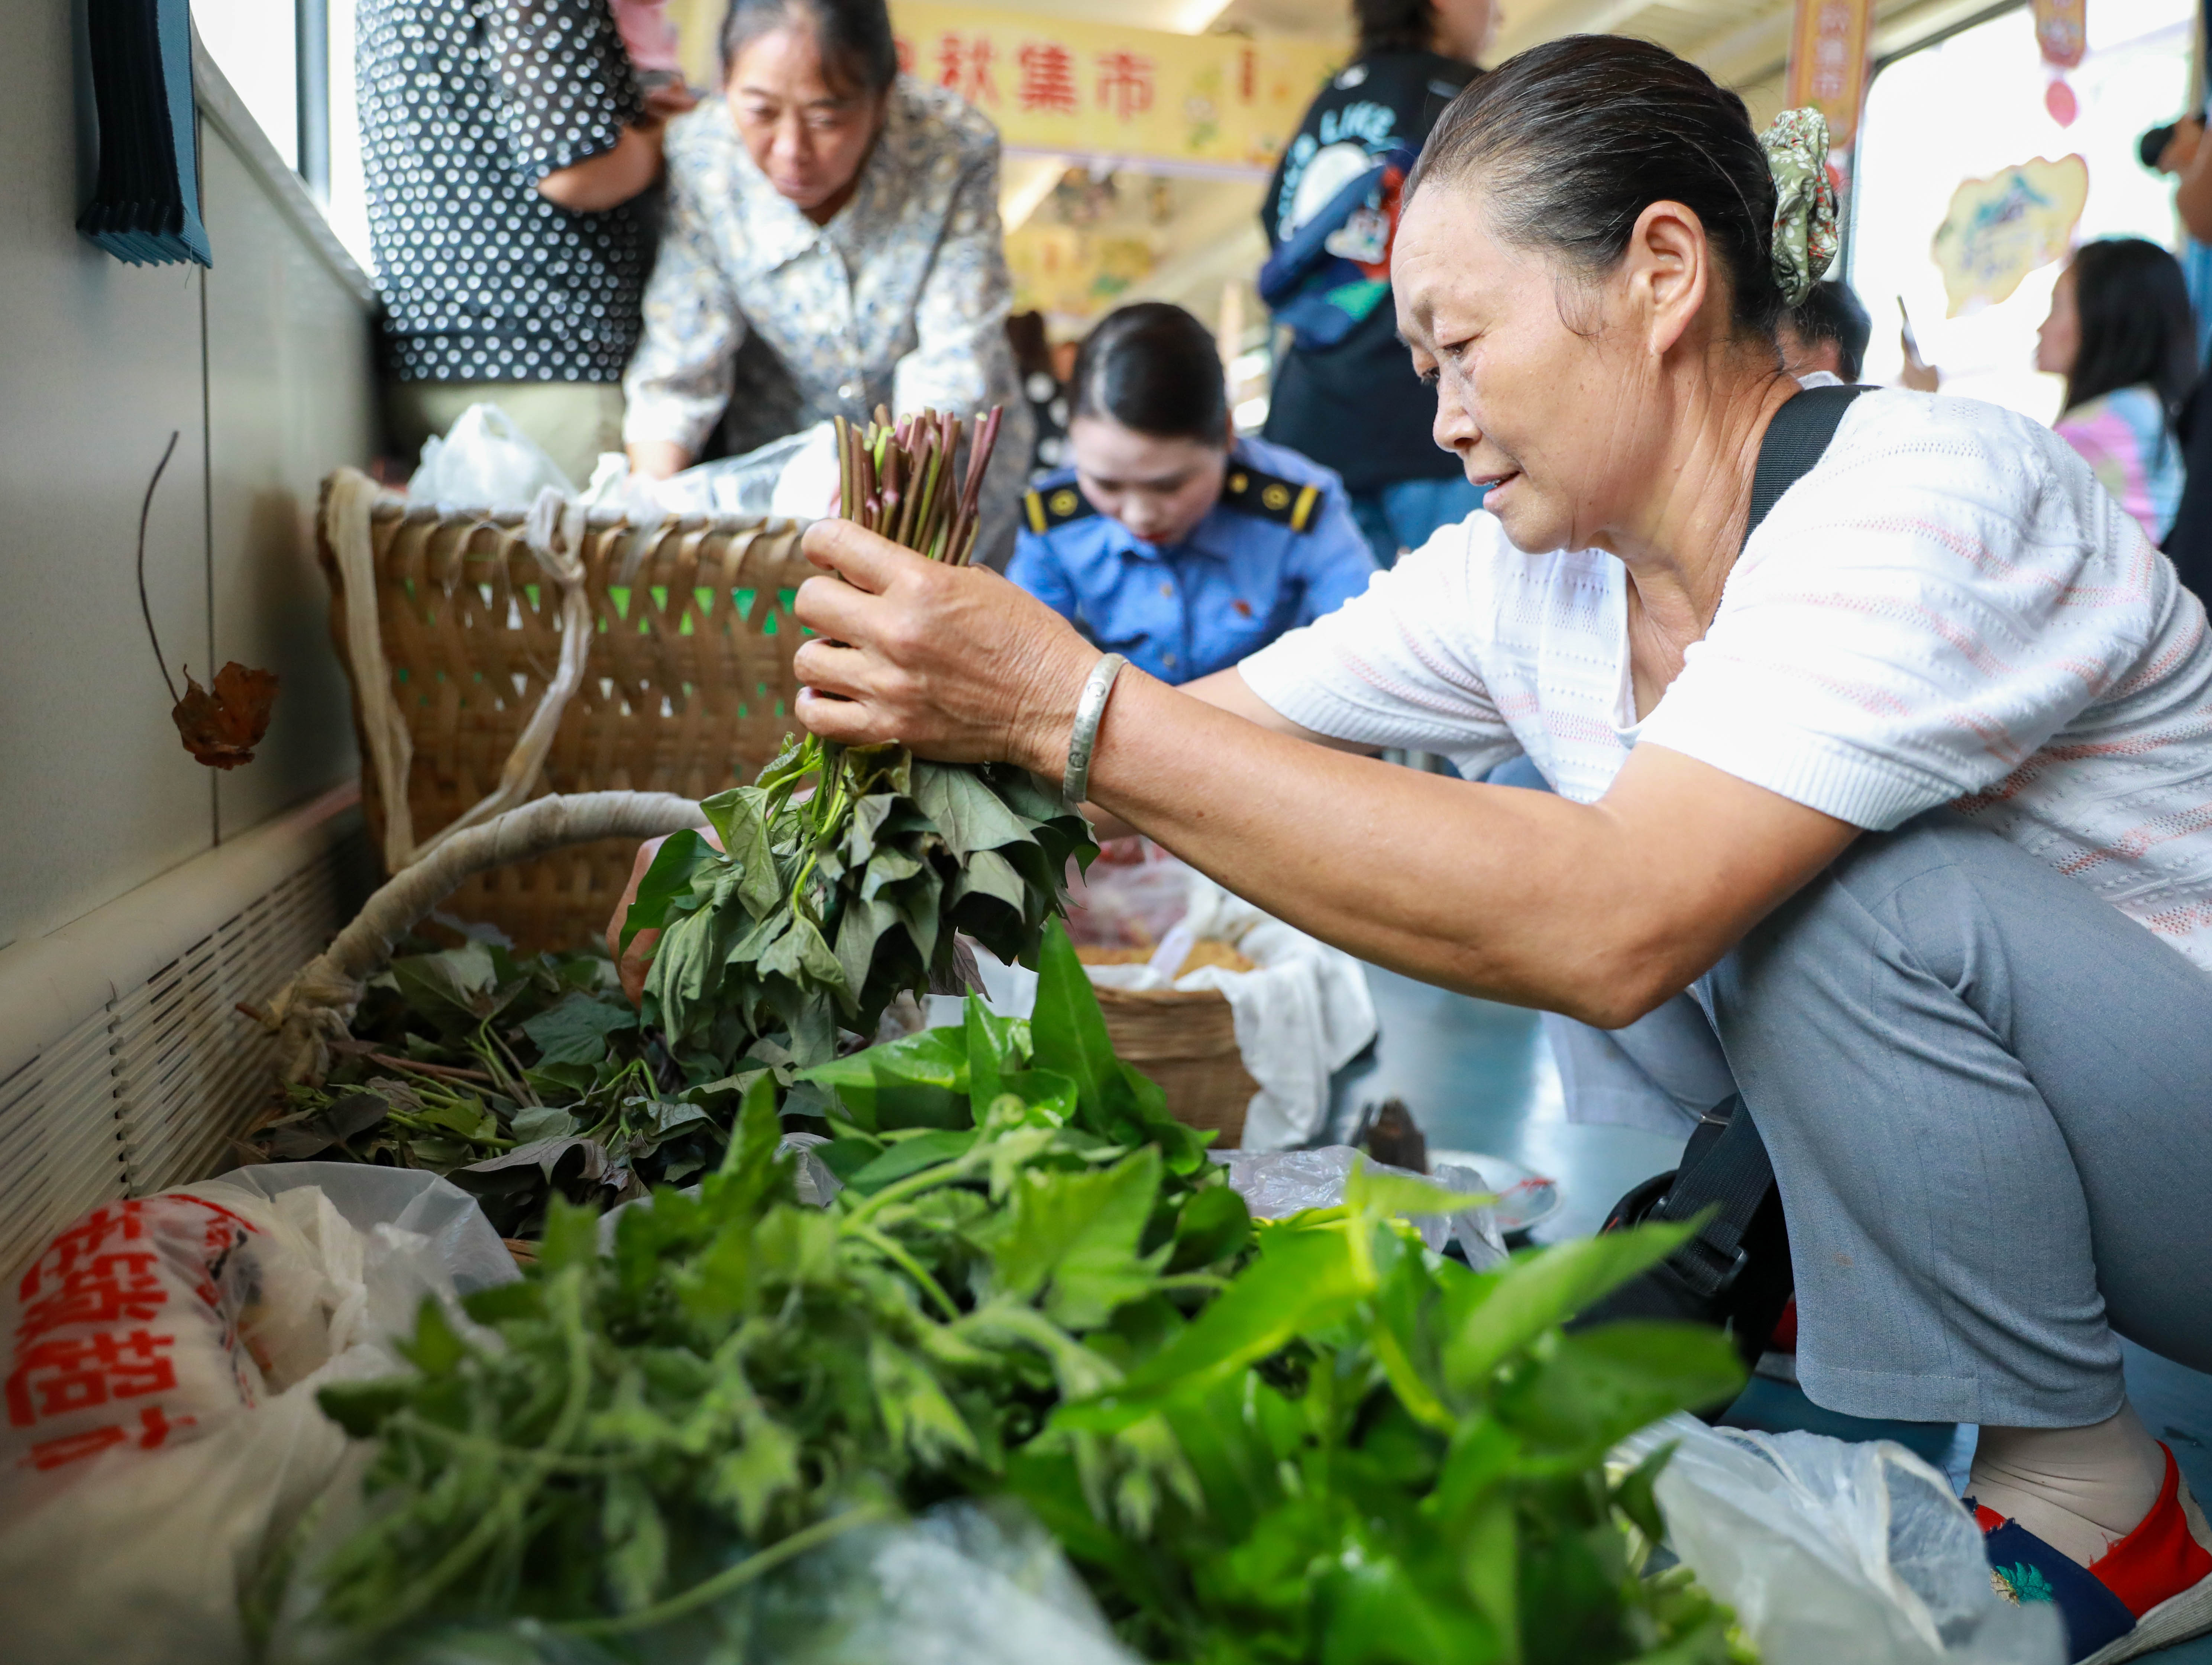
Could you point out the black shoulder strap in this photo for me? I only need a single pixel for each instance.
(1795, 440)
(1725, 1168)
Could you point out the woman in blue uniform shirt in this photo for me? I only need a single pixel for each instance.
(1170, 540)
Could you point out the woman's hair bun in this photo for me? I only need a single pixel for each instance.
(1575, 138)
(1153, 368)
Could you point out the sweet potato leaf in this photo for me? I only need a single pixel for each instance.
(1067, 1032)
(574, 1030)
(968, 814)
(667, 878)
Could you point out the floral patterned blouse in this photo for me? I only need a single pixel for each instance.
(758, 318)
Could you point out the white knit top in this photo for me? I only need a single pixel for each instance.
(1948, 610)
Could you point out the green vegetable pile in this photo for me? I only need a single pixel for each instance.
(1312, 1441)
(519, 1076)
(466, 1057)
(1387, 1457)
(817, 911)
(842, 878)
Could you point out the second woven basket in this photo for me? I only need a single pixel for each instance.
(687, 684)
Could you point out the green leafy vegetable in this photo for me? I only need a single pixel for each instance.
(1331, 1491)
(463, 1058)
(819, 909)
(1313, 1443)
(745, 1373)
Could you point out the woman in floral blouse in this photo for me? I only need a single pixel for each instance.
(832, 245)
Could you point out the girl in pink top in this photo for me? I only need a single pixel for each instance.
(2120, 332)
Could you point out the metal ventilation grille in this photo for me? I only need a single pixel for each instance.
(148, 1090)
(61, 1138)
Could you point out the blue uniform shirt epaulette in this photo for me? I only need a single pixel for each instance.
(1253, 491)
(1055, 506)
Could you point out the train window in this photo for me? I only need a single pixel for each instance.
(1971, 105)
(255, 43)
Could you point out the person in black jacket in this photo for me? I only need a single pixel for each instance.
(1347, 395)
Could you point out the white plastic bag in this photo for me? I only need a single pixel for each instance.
(485, 461)
(1275, 1183)
(168, 1351)
(794, 478)
(1836, 1553)
(964, 1583)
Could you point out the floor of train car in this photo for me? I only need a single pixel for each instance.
(1479, 1077)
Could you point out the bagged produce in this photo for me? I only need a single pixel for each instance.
(163, 1434)
(485, 461)
(964, 1584)
(794, 478)
(1837, 1554)
(1133, 894)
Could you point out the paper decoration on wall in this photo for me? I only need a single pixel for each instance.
(1214, 104)
(145, 209)
(2062, 33)
(2001, 229)
(1828, 63)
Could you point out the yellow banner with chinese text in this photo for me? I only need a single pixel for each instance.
(1209, 104)
(1829, 44)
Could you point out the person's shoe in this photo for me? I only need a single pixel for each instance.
(2151, 1589)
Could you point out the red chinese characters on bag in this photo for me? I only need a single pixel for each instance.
(125, 1332)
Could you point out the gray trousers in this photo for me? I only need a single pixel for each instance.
(1988, 1098)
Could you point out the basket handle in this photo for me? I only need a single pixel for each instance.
(553, 532)
(317, 1005)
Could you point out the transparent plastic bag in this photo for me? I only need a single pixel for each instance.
(1133, 895)
(794, 476)
(966, 1583)
(168, 1351)
(484, 461)
(1274, 1183)
(1837, 1554)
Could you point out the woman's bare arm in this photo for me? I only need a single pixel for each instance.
(1225, 690)
(1599, 910)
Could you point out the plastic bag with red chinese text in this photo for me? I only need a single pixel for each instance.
(161, 1436)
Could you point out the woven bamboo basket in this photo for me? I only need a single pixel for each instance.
(687, 684)
(1185, 1040)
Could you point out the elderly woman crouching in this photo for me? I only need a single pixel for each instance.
(1907, 792)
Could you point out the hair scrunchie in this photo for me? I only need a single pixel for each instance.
(1796, 147)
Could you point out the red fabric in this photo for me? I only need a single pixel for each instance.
(1988, 1519)
(1784, 1339)
(2159, 1559)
